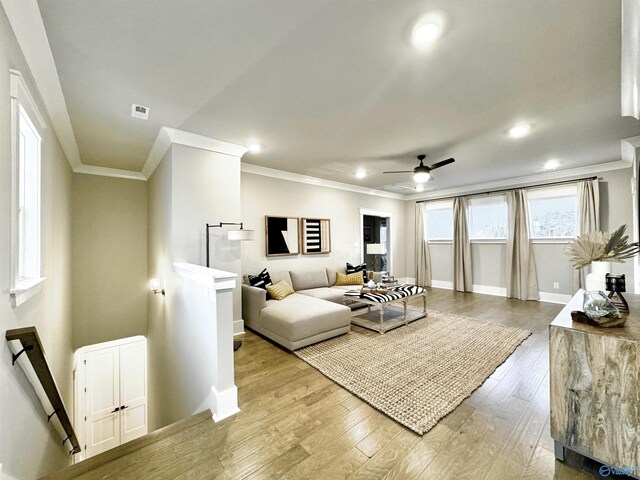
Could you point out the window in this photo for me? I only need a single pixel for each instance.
(439, 221)
(25, 221)
(488, 218)
(553, 213)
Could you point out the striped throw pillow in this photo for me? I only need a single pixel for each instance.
(358, 268)
(280, 290)
(262, 280)
(349, 279)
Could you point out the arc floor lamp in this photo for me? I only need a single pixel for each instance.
(241, 234)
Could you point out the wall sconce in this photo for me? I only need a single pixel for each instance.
(241, 234)
(154, 285)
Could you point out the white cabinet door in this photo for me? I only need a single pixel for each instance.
(102, 401)
(133, 391)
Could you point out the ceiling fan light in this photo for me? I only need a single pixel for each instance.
(421, 177)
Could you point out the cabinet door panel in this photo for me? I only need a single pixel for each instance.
(133, 391)
(102, 400)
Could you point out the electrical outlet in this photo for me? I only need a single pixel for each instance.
(556, 285)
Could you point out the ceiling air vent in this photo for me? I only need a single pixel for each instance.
(138, 111)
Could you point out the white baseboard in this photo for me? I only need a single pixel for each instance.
(238, 326)
(489, 290)
(442, 284)
(223, 404)
(560, 298)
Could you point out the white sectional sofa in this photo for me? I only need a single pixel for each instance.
(315, 312)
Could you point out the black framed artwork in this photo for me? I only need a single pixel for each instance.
(281, 236)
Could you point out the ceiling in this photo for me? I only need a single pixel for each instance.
(329, 87)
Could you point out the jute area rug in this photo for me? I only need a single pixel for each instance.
(416, 374)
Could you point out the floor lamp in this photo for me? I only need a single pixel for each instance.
(241, 234)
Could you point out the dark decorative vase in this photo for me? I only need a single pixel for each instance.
(616, 284)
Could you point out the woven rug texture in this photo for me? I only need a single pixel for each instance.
(416, 374)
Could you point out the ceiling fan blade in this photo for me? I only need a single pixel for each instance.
(441, 163)
(401, 171)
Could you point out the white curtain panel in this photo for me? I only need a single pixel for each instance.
(423, 256)
(462, 266)
(588, 217)
(522, 281)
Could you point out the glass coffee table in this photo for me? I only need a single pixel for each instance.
(390, 314)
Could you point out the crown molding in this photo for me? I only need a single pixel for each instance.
(319, 182)
(519, 182)
(168, 136)
(630, 149)
(109, 172)
(160, 146)
(19, 91)
(28, 28)
(633, 141)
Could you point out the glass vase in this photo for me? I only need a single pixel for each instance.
(597, 305)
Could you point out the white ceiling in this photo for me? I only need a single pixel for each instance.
(332, 86)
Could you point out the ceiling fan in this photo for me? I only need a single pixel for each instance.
(422, 173)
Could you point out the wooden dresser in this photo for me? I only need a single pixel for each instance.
(595, 387)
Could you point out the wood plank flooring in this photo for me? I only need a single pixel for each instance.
(296, 424)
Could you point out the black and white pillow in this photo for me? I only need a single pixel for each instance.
(262, 280)
(358, 268)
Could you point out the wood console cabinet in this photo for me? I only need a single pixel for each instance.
(595, 387)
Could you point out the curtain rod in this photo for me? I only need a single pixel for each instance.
(539, 185)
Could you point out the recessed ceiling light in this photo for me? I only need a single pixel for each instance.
(254, 147)
(519, 130)
(551, 164)
(425, 33)
(420, 187)
(360, 173)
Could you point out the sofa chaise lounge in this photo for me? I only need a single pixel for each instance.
(315, 312)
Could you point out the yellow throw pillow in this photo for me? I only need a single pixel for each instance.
(280, 290)
(349, 279)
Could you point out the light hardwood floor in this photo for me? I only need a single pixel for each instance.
(297, 424)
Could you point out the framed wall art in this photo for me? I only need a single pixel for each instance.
(281, 236)
(316, 235)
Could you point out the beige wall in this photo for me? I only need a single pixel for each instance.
(270, 196)
(552, 264)
(29, 446)
(109, 259)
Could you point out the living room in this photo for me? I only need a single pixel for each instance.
(258, 110)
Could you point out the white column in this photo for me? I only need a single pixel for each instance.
(207, 297)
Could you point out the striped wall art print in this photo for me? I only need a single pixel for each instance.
(316, 235)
